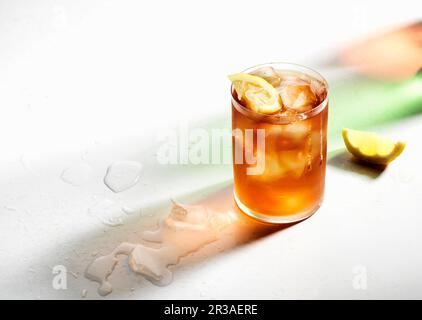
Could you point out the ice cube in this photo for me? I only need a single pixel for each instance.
(297, 95)
(318, 89)
(271, 130)
(296, 131)
(287, 136)
(278, 165)
(269, 74)
(316, 141)
(293, 163)
(271, 170)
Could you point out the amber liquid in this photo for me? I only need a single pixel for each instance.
(291, 187)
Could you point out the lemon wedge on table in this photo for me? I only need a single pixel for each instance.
(257, 93)
(371, 147)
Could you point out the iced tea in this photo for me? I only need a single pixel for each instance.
(288, 184)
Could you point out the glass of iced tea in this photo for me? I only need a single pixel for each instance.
(279, 120)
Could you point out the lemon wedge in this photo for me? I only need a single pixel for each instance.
(371, 147)
(257, 93)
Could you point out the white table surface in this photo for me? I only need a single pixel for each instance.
(94, 82)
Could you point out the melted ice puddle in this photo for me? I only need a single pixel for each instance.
(107, 212)
(185, 230)
(122, 175)
(77, 175)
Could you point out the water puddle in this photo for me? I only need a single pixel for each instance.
(77, 175)
(185, 230)
(108, 212)
(122, 175)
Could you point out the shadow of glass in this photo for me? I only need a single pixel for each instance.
(242, 231)
(343, 160)
(245, 229)
(217, 200)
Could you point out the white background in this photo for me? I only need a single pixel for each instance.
(95, 82)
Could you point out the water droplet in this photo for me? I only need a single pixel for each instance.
(94, 253)
(122, 175)
(84, 155)
(107, 212)
(10, 208)
(105, 289)
(84, 292)
(77, 175)
(76, 253)
(130, 211)
(28, 166)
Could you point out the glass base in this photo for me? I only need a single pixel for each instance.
(275, 219)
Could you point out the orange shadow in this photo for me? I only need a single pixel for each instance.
(243, 229)
(395, 55)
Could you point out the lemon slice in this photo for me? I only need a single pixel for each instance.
(371, 147)
(257, 93)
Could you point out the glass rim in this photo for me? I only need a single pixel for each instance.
(277, 118)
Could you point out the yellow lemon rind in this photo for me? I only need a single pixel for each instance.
(274, 104)
(373, 158)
